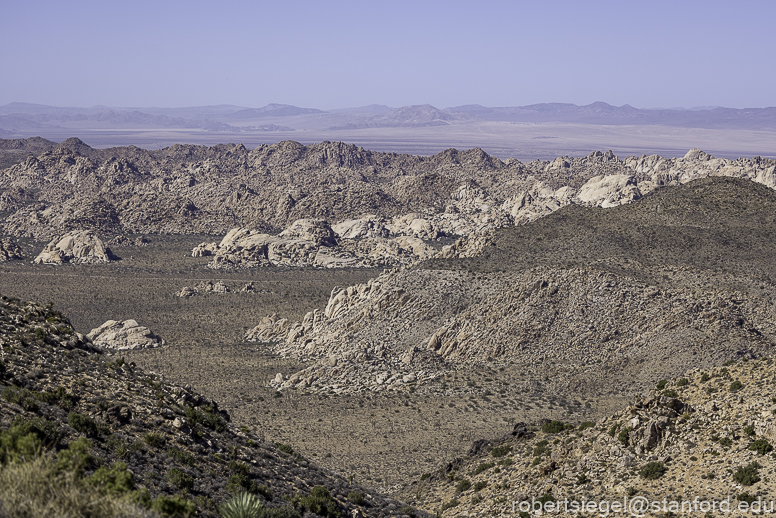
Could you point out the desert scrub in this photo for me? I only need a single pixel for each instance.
(761, 446)
(206, 416)
(116, 480)
(736, 386)
(357, 497)
(624, 436)
(748, 475)
(584, 426)
(319, 502)
(540, 449)
(84, 424)
(181, 456)
(556, 427)
(180, 479)
(662, 384)
(154, 439)
(462, 486)
(479, 486)
(449, 505)
(500, 451)
(482, 467)
(653, 470)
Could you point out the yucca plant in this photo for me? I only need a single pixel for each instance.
(242, 505)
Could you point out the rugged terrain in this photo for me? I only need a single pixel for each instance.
(188, 189)
(585, 301)
(131, 434)
(704, 437)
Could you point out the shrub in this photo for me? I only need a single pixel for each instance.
(761, 446)
(407, 510)
(624, 436)
(320, 502)
(584, 426)
(683, 382)
(76, 457)
(21, 397)
(285, 448)
(207, 416)
(479, 486)
(357, 497)
(181, 456)
(176, 506)
(749, 430)
(747, 475)
(555, 427)
(727, 442)
(482, 467)
(671, 393)
(662, 384)
(505, 462)
(463, 485)
(82, 423)
(425, 476)
(613, 430)
(116, 480)
(746, 497)
(154, 439)
(180, 479)
(540, 449)
(449, 505)
(705, 377)
(653, 470)
(736, 386)
(500, 451)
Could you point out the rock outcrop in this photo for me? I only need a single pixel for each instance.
(9, 250)
(127, 334)
(76, 247)
(522, 299)
(310, 243)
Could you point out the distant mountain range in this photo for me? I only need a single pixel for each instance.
(23, 118)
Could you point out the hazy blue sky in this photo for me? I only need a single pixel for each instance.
(331, 54)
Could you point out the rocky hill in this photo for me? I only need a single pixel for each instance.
(693, 442)
(85, 433)
(187, 189)
(584, 301)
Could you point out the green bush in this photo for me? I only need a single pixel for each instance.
(653, 470)
(479, 486)
(540, 448)
(500, 451)
(449, 505)
(683, 382)
(21, 397)
(555, 427)
(116, 480)
(624, 436)
(727, 442)
(84, 424)
(747, 475)
(181, 456)
(154, 439)
(761, 446)
(662, 384)
(671, 393)
(584, 426)
(736, 386)
(175, 506)
(320, 502)
(482, 467)
(357, 497)
(75, 458)
(463, 485)
(505, 462)
(206, 416)
(180, 479)
(285, 448)
(746, 497)
(749, 430)
(705, 377)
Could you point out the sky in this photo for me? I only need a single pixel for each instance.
(338, 54)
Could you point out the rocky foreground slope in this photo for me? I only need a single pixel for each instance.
(586, 301)
(704, 439)
(113, 431)
(211, 190)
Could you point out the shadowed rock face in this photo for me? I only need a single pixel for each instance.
(77, 247)
(124, 335)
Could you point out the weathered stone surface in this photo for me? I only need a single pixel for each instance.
(127, 334)
(9, 250)
(77, 247)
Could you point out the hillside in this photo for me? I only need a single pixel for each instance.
(585, 301)
(696, 441)
(85, 433)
